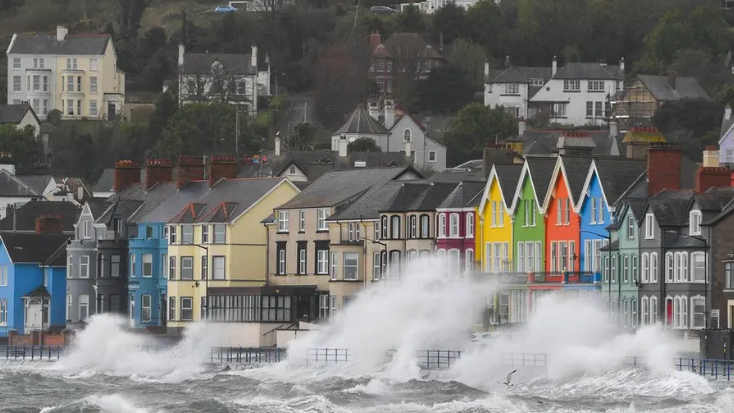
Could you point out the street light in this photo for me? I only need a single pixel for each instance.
(705, 279)
(205, 276)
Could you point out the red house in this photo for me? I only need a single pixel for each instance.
(456, 220)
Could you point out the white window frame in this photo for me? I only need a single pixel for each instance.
(334, 266)
(355, 257)
(83, 303)
(442, 226)
(147, 259)
(219, 267)
(645, 268)
(694, 224)
(631, 227)
(654, 267)
(283, 221)
(692, 324)
(84, 266)
(644, 310)
(520, 262)
(698, 258)
(377, 266)
(322, 214)
(144, 308)
(302, 220)
(454, 226)
(649, 226)
(469, 260)
(322, 261)
(469, 225)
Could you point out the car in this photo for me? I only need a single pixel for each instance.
(224, 9)
(383, 10)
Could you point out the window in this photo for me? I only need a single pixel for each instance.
(596, 86)
(79, 87)
(377, 266)
(454, 225)
(350, 265)
(729, 272)
(302, 220)
(321, 219)
(16, 63)
(70, 86)
(45, 83)
(395, 260)
(563, 256)
(147, 265)
(164, 266)
(281, 258)
(4, 312)
(649, 226)
(17, 85)
(322, 261)
(93, 84)
(71, 63)
(520, 262)
(335, 265)
(203, 308)
(187, 234)
(645, 267)
(615, 275)
(406, 135)
(680, 312)
(596, 244)
(593, 210)
(670, 267)
(205, 234)
(698, 312)
(146, 304)
(653, 310)
(84, 266)
(69, 306)
(625, 311)
(644, 311)
(283, 221)
(4, 271)
(83, 307)
(571, 85)
(93, 64)
(204, 267)
(654, 267)
(171, 308)
(431, 156)
(695, 223)
(469, 258)
(172, 268)
(384, 227)
(631, 227)
(187, 268)
(44, 110)
(79, 107)
(36, 82)
(681, 266)
(554, 256)
(587, 255)
(218, 270)
(292, 170)
(634, 268)
(220, 233)
(698, 267)
(625, 268)
(511, 89)
(454, 262)
(395, 227)
(187, 308)
(413, 233)
(589, 110)
(132, 265)
(425, 225)
(302, 258)
(559, 212)
(174, 234)
(442, 225)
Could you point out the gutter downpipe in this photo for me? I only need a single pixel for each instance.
(267, 254)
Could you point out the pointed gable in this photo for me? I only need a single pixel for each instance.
(189, 214)
(360, 122)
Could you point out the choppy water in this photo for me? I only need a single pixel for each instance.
(36, 388)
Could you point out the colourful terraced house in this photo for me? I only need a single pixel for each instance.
(494, 242)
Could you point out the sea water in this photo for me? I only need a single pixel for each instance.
(109, 369)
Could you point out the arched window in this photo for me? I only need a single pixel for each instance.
(454, 226)
(625, 312)
(694, 226)
(644, 311)
(633, 310)
(469, 225)
(395, 227)
(406, 136)
(384, 227)
(654, 267)
(645, 268)
(441, 253)
(413, 226)
(469, 260)
(454, 263)
(425, 225)
(442, 225)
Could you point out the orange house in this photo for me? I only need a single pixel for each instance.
(562, 223)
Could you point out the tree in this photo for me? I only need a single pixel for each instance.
(450, 20)
(699, 116)
(304, 139)
(165, 108)
(485, 27)
(411, 20)
(469, 57)
(363, 145)
(446, 88)
(22, 145)
(475, 126)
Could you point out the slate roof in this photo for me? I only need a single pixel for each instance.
(685, 87)
(232, 63)
(360, 122)
(401, 43)
(229, 198)
(24, 217)
(31, 248)
(671, 207)
(13, 113)
(521, 74)
(98, 206)
(725, 125)
(73, 44)
(12, 186)
(408, 193)
(58, 258)
(336, 187)
(714, 199)
(106, 181)
(617, 175)
(458, 176)
(432, 197)
(368, 206)
(38, 292)
(577, 169)
(126, 207)
(463, 194)
(508, 177)
(37, 182)
(541, 171)
(545, 142)
(163, 201)
(589, 70)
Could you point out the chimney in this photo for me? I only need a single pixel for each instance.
(221, 166)
(507, 61)
(440, 42)
(277, 146)
(61, 32)
(663, 167)
(521, 126)
(181, 51)
(253, 57)
(375, 40)
(127, 173)
(711, 177)
(727, 112)
(496, 153)
(374, 111)
(554, 66)
(389, 114)
(343, 146)
(671, 78)
(711, 156)
(156, 171)
(49, 224)
(7, 163)
(621, 65)
(575, 143)
(613, 128)
(190, 168)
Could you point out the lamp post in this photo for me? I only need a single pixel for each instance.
(705, 279)
(204, 276)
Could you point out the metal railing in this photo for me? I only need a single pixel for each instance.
(524, 359)
(31, 352)
(247, 355)
(329, 355)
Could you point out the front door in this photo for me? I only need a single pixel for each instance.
(669, 311)
(111, 111)
(33, 315)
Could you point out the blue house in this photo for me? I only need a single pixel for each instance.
(147, 281)
(606, 182)
(32, 282)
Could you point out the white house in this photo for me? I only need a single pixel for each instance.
(579, 93)
(237, 79)
(20, 116)
(513, 87)
(394, 130)
(430, 6)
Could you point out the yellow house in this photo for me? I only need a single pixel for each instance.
(218, 254)
(76, 74)
(494, 239)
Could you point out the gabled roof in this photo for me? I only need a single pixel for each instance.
(12, 186)
(410, 44)
(463, 195)
(232, 64)
(125, 207)
(574, 170)
(24, 217)
(538, 170)
(512, 175)
(408, 193)
(13, 114)
(106, 181)
(73, 44)
(590, 71)
(336, 187)
(615, 175)
(38, 292)
(685, 87)
(164, 201)
(671, 207)
(31, 248)
(97, 206)
(432, 197)
(545, 142)
(368, 206)
(714, 199)
(360, 122)
(521, 74)
(39, 183)
(58, 258)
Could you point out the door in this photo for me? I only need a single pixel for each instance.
(669, 311)
(33, 315)
(111, 111)
(164, 310)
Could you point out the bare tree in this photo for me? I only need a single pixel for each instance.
(218, 83)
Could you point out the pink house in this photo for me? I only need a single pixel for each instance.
(456, 223)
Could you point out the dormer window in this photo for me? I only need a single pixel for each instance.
(649, 226)
(292, 170)
(695, 223)
(406, 135)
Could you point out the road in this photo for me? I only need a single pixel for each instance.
(300, 110)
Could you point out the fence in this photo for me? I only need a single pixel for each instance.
(524, 359)
(247, 355)
(31, 352)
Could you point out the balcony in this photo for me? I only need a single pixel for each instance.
(564, 278)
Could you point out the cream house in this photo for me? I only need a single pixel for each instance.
(76, 74)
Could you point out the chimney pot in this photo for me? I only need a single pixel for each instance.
(61, 32)
(190, 168)
(156, 171)
(49, 224)
(663, 167)
(222, 166)
(712, 177)
(127, 173)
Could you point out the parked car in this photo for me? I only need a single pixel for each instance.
(224, 9)
(383, 10)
